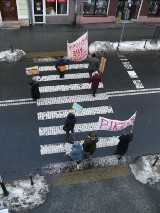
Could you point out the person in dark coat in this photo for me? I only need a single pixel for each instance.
(93, 64)
(123, 144)
(89, 145)
(61, 66)
(69, 126)
(76, 152)
(95, 79)
(35, 94)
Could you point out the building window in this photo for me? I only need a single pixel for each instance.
(154, 8)
(95, 7)
(56, 7)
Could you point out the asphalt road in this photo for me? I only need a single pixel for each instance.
(20, 141)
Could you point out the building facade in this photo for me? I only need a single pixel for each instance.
(31, 12)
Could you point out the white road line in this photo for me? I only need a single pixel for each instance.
(68, 67)
(132, 74)
(66, 147)
(58, 130)
(138, 84)
(63, 113)
(71, 99)
(127, 65)
(67, 77)
(69, 87)
(69, 166)
(80, 98)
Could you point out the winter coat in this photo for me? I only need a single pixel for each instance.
(93, 63)
(89, 145)
(76, 151)
(95, 79)
(60, 64)
(35, 94)
(70, 122)
(123, 144)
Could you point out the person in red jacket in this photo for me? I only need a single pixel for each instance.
(95, 79)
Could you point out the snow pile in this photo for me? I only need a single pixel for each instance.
(101, 46)
(10, 56)
(23, 195)
(144, 171)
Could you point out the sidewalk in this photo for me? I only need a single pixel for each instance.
(50, 38)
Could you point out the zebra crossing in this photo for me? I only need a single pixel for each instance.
(54, 105)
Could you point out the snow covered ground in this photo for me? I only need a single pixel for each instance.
(23, 195)
(97, 46)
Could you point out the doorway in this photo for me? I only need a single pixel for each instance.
(8, 10)
(38, 11)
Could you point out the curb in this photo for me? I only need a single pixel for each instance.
(46, 54)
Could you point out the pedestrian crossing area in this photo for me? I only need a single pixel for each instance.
(57, 97)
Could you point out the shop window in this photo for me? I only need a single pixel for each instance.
(95, 7)
(128, 9)
(56, 7)
(154, 8)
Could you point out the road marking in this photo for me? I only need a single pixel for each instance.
(63, 113)
(58, 130)
(66, 147)
(69, 166)
(71, 99)
(132, 74)
(68, 67)
(69, 87)
(138, 84)
(80, 98)
(67, 77)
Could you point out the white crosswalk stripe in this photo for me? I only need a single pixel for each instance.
(91, 110)
(66, 87)
(68, 67)
(63, 113)
(58, 130)
(71, 99)
(70, 166)
(66, 147)
(67, 77)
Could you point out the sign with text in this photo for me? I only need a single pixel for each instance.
(114, 125)
(78, 50)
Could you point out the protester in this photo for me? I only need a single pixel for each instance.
(95, 79)
(89, 145)
(69, 126)
(123, 144)
(76, 152)
(93, 64)
(35, 94)
(61, 66)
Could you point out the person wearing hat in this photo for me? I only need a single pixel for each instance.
(93, 64)
(95, 79)
(76, 152)
(89, 145)
(123, 144)
(69, 126)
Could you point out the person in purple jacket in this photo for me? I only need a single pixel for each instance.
(95, 79)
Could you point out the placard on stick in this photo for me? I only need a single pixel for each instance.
(102, 65)
(77, 107)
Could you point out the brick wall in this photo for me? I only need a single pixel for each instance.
(113, 7)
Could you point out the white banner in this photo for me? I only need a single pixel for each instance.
(114, 125)
(78, 50)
